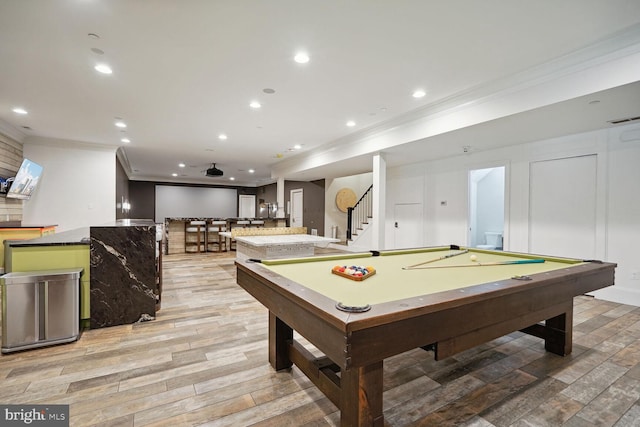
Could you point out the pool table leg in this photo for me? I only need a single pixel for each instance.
(361, 400)
(280, 335)
(557, 331)
(560, 338)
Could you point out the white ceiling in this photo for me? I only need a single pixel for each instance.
(185, 71)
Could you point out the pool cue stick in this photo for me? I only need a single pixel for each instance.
(435, 259)
(487, 264)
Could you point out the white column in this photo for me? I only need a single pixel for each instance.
(379, 201)
(280, 198)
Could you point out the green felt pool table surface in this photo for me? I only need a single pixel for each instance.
(392, 281)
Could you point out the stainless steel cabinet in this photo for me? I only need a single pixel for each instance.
(40, 308)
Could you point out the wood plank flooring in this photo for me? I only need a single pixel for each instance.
(203, 361)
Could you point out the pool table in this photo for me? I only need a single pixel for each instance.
(446, 299)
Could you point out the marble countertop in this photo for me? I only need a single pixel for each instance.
(127, 223)
(285, 239)
(19, 225)
(79, 236)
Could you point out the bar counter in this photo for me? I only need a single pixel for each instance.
(121, 281)
(174, 237)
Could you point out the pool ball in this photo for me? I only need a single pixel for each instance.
(473, 258)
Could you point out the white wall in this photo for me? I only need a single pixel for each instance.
(623, 214)
(443, 190)
(78, 184)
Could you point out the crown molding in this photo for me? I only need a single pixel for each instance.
(121, 155)
(69, 143)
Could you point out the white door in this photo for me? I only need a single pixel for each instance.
(247, 206)
(407, 224)
(296, 208)
(562, 207)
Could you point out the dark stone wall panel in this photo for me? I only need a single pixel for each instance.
(123, 275)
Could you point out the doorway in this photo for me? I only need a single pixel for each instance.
(407, 222)
(296, 198)
(486, 207)
(247, 206)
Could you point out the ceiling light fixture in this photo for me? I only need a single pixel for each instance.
(297, 147)
(181, 165)
(301, 58)
(419, 93)
(351, 123)
(255, 105)
(121, 124)
(174, 174)
(103, 68)
(19, 110)
(222, 137)
(232, 178)
(251, 171)
(125, 140)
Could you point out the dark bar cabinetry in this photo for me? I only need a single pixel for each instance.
(124, 273)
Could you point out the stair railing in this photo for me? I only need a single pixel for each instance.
(359, 214)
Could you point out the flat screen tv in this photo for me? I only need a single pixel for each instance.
(25, 181)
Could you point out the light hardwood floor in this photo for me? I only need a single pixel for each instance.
(203, 361)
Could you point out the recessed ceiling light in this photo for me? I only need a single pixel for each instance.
(255, 104)
(419, 93)
(174, 174)
(269, 90)
(222, 137)
(301, 58)
(121, 125)
(251, 171)
(232, 179)
(297, 147)
(125, 140)
(97, 51)
(103, 68)
(19, 110)
(351, 123)
(181, 165)
(93, 36)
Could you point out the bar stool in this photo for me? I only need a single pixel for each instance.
(195, 236)
(213, 235)
(240, 223)
(243, 223)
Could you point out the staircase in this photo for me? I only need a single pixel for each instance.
(359, 216)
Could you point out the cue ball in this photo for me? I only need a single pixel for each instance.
(473, 258)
